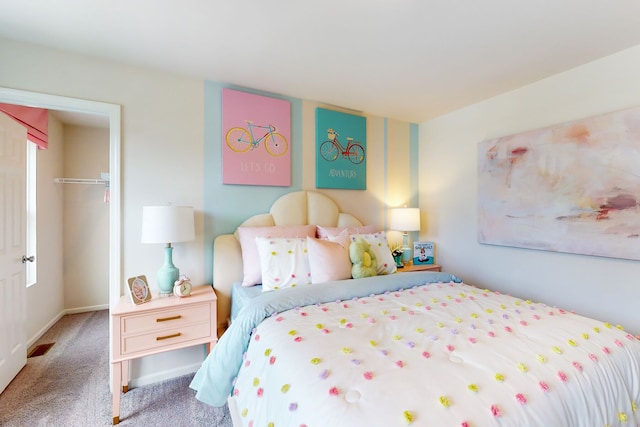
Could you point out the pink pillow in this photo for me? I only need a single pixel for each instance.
(324, 232)
(329, 259)
(251, 259)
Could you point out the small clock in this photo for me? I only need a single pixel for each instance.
(182, 287)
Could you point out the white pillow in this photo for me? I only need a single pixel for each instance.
(329, 259)
(247, 235)
(380, 247)
(284, 262)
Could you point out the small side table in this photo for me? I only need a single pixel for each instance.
(162, 324)
(419, 267)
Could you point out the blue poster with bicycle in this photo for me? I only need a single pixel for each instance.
(341, 149)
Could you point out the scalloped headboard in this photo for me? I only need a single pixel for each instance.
(296, 208)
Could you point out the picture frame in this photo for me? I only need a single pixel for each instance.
(341, 150)
(568, 187)
(139, 291)
(423, 253)
(256, 139)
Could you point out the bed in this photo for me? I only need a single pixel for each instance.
(415, 348)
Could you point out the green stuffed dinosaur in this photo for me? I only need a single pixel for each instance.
(363, 260)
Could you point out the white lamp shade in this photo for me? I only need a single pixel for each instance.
(404, 219)
(167, 224)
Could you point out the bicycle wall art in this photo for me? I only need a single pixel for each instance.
(341, 160)
(256, 131)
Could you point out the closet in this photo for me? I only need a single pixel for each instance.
(85, 215)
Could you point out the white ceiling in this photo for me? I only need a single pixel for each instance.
(407, 59)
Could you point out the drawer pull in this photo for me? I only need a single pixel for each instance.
(166, 337)
(164, 319)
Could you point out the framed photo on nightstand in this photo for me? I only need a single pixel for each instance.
(139, 290)
(423, 253)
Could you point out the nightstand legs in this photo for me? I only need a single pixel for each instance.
(119, 381)
(125, 376)
(116, 381)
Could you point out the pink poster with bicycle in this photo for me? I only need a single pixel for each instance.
(256, 135)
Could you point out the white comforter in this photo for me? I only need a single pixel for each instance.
(438, 355)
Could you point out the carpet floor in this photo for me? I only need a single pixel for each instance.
(69, 386)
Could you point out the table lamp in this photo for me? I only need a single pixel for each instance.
(405, 220)
(167, 224)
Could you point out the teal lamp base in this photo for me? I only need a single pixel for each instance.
(168, 273)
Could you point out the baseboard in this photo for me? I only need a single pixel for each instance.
(59, 316)
(164, 375)
(44, 329)
(86, 309)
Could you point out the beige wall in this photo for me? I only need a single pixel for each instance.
(45, 298)
(86, 219)
(161, 161)
(598, 287)
(162, 136)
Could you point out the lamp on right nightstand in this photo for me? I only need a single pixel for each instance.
(405, 220)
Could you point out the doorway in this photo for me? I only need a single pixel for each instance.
(112, 113)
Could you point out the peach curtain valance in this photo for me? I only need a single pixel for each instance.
(36, 120)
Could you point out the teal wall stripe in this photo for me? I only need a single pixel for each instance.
(226, 206)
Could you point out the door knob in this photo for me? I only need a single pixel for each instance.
(30, 259)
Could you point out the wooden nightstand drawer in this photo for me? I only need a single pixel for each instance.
(164, 319)
(166, 337)
(419, 267)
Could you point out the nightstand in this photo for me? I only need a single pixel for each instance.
(162, 324)
(419, 267)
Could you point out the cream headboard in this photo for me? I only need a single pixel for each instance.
(297, 208)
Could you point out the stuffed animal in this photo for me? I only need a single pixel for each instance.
(363, 259)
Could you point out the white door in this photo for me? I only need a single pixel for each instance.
(13, 199)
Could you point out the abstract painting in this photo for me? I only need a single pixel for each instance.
(569, 188)
(341, 147)
(256, 135)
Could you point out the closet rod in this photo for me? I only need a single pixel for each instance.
(80, 181)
